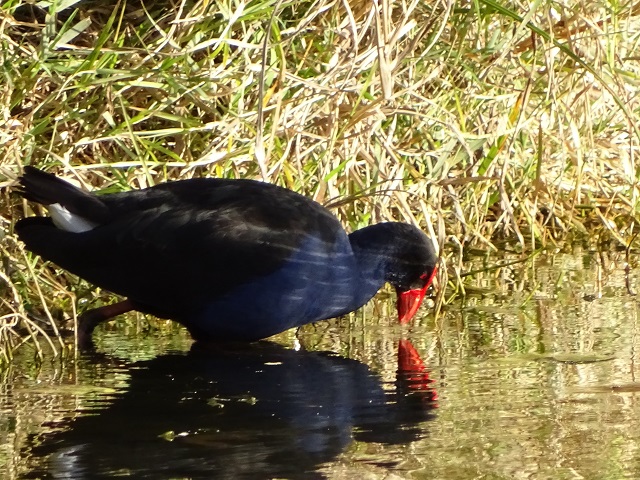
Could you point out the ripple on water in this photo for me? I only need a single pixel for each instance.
(536, 376)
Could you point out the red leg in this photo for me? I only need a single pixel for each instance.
(90, 319)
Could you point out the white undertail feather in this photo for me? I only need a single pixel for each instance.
(65, 220)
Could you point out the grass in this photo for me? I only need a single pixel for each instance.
(486, 123)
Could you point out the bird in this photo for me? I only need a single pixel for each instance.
(232, 260)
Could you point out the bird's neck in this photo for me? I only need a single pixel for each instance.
(372, 254)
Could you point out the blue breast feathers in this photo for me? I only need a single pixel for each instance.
(318, 281)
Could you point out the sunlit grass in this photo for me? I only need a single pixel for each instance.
(482, 122)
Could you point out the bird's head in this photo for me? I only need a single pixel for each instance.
(413, 269)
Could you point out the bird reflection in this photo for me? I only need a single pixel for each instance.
(252, 411)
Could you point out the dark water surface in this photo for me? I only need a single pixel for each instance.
(532, 375)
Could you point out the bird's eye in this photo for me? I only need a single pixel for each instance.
(427, 277)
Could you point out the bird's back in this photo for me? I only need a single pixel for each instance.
(177, 246)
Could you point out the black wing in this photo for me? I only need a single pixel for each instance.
(176, 246)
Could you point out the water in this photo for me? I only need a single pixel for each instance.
(532, 375)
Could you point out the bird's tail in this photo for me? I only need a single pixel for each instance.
(60, 196)
(45, 188)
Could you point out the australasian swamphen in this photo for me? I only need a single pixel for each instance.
(231, 260)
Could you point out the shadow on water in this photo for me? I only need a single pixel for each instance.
(254, 411)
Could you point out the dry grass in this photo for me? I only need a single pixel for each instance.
(482, 122)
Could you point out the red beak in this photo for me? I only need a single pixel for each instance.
(409, 301)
